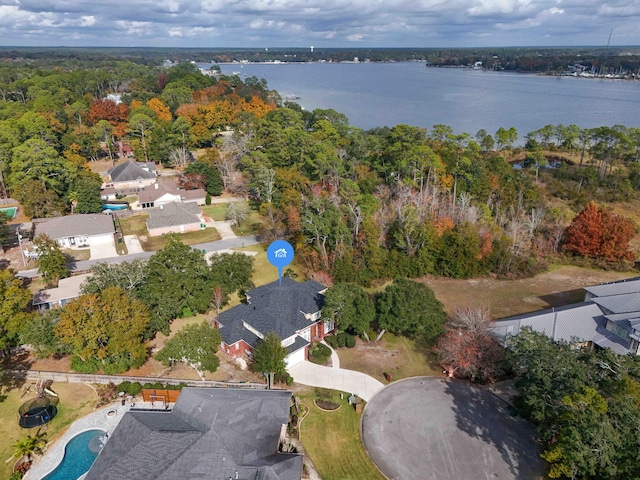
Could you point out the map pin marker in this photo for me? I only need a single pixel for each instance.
(280, 254)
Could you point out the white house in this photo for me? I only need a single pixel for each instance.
(78, 231)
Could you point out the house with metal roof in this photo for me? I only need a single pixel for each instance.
(175, 217)
(209, 433)
(78, 231)
(291, 310)
(608, 318)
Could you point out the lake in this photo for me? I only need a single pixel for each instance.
(379, 94)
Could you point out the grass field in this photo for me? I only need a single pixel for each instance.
(136, 225)
(76, 400)
(332, 440)
(217, 211)
(560, 285)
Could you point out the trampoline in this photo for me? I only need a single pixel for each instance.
(37, 411)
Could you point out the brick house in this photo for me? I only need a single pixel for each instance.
(291, 310)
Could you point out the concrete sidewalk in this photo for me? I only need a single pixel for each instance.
(361, 384)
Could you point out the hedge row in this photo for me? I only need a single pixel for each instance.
(341, 340)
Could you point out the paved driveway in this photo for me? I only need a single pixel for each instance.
(428, 428)
(308, 373)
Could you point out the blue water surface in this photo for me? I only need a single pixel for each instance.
(79, 455)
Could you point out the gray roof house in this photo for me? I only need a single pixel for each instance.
(175, 217)
(80, 230)
(608, 318)
(291, 310)
(68, 289)
(209, 433)
(165, 191)
(132, 175)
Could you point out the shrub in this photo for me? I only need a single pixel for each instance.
(130, 388)
(319, 353)
(153, 386)
(350, 341)
(135, 388)
(342, 340)
(289, 380)
(80, 366)
(124, 387)
(332, 340)
(207, 199)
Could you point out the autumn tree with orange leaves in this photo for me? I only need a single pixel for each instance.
(599, 233)
(467, 347)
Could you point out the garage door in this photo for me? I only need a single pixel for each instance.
(295, 357)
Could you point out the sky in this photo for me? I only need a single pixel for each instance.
(321, 23)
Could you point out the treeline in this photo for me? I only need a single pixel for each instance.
(522, 59)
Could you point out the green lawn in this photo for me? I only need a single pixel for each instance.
(216, 211)
(76, 400)
(136, 225)
(332, 440)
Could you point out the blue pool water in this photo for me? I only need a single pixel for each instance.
(114, 206)
(79, 455)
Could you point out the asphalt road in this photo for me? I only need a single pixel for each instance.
(429, 428)
(208, 247)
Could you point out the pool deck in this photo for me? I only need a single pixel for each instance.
(97, 420)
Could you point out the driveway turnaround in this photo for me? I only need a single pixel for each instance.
(361, 384)
(430, 428)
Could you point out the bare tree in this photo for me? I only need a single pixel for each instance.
(179, 157)
(217, 298)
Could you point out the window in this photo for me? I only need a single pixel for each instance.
(288, 341)
(617, 330)
(328, 325)
(306, 334)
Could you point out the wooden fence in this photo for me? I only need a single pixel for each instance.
(117, 379)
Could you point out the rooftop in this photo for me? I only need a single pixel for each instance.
(273, 308)
(67, 288)
(173, 214)
(74, 225)
(226, 431)
(132, 170)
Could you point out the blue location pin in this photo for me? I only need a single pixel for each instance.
(280, 254)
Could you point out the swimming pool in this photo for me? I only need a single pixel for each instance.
(9, 212)
(79, 455)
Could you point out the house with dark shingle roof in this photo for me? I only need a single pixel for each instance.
(291, 311)
(209, 433)
(79, 230)
(132, 176)
(175, 217)
(608, 318)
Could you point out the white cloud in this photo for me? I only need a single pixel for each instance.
(355, 37)
(87, 20)
(247, 23)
